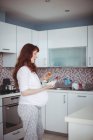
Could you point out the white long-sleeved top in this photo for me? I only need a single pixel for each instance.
(29, 80)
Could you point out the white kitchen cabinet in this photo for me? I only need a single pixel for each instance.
(1, 124)
(7, 38)
(80, 131)
(67, 57)
(8, 44)
(77, 101)
(56, 110)
(67, 37)
(1, 131)
(90, 46)
(34, 39)
(23, 37)
(43, 111)
(1, 111)
(81, 124)
(9, 60)
(42, 44)
(39, 38)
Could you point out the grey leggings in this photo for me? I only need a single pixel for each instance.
(32, 123)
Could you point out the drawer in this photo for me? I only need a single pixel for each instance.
(15, 135)
(20, 134)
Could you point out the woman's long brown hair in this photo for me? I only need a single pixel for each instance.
(25, 59)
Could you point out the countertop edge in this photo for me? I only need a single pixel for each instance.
(51, 90)
(82, 116)
(70, 91)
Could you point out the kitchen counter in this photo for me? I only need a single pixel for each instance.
(81, 124)
(72, 91)
(84, 116)
(54, 90)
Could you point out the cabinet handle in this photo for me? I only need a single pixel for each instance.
(13, 98)
(5, 49)
(64, 99)
(16, 132)
(81, 96)
(89, 60)
(11, 105)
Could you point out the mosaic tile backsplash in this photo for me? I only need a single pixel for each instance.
(81, 75)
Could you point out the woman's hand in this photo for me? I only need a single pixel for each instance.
(48, 85)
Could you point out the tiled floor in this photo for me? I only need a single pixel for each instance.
(54, 137)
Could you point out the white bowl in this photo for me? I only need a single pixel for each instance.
(52, 83)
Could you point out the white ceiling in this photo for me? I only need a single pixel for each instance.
(39, 11)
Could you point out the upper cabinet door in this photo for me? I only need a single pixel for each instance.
(23, 37)
(34, 39)
(90, 46)
(68, 37)
(42, 44)
(39, 38)
(7, 38)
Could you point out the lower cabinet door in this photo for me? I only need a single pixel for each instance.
(15, 135)
(1, 131)
(56, 110)
(76, 101)
(43, 116)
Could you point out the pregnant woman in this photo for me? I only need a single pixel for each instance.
(33, 95)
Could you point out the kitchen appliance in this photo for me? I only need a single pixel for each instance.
(11, 119)
(7, 88)
(6, 84)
